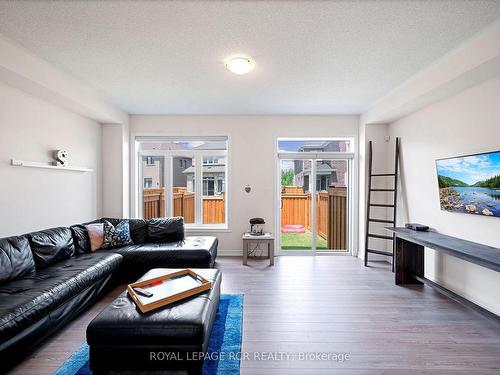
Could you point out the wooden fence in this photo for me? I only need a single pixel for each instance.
(331, 213)
(337, 217)
(322, 214)
(184, 205)
(213, 209)
(153, 203)
(331, 210)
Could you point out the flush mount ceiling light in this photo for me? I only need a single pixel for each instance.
(240, 65)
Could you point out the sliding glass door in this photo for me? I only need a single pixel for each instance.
(314, 194)
(332, 204)
(296, 205)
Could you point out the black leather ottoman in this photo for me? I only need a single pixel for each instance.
(170, 338)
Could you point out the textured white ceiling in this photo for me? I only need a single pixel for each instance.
(314, 57)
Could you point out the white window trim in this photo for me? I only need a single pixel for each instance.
(198, 226)
(352, 143)
(316, 155)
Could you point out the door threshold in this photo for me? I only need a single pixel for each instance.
(334, 253)
(321, 253)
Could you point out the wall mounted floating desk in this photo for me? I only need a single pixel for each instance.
(409, 256)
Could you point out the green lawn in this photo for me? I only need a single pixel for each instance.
(301, 241)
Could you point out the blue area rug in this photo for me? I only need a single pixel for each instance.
(224, 347)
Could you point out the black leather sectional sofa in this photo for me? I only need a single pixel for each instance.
(49, 277)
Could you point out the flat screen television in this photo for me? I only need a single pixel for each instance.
(470, 184)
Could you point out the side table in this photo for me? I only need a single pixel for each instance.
(266, 238)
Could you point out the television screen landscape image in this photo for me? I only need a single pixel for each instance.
(470, 184)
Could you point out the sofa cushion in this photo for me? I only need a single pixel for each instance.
(194, 251)
(168, 229)
(138, 230)
(115, 236)
(16, 258)
(80, 239)
(30, 298)
(51, 245)
(69, 277)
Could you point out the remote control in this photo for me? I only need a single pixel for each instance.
(143, 292)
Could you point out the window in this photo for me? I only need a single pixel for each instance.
(220, 185)
(208, 186)
(210, 160)
(195, 179)
(322, 183)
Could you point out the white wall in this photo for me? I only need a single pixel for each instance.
(21, 69)
(30, 198)
(115, 170)
(466, 123)
(252, 152)
(112, 205)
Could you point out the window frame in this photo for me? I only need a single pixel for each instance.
(350, 151)
(197, 155)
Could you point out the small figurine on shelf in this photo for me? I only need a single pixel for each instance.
(257, 226)
(61, 157)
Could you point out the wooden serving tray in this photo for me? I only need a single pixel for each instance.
(168, 288)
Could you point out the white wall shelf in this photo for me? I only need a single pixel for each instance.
(35, 164)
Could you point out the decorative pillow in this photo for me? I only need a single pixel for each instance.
(96, 235)
(80, 238)
(118, 235)
(138, 228)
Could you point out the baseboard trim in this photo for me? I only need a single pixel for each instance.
(230, 253)
(457, 298)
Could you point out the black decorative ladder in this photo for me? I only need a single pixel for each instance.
(369, 205)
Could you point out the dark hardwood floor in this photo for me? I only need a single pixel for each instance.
(331, 304)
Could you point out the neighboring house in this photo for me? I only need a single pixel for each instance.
(328, 172)
(214, 170)
(179, 165)
(152, 172)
